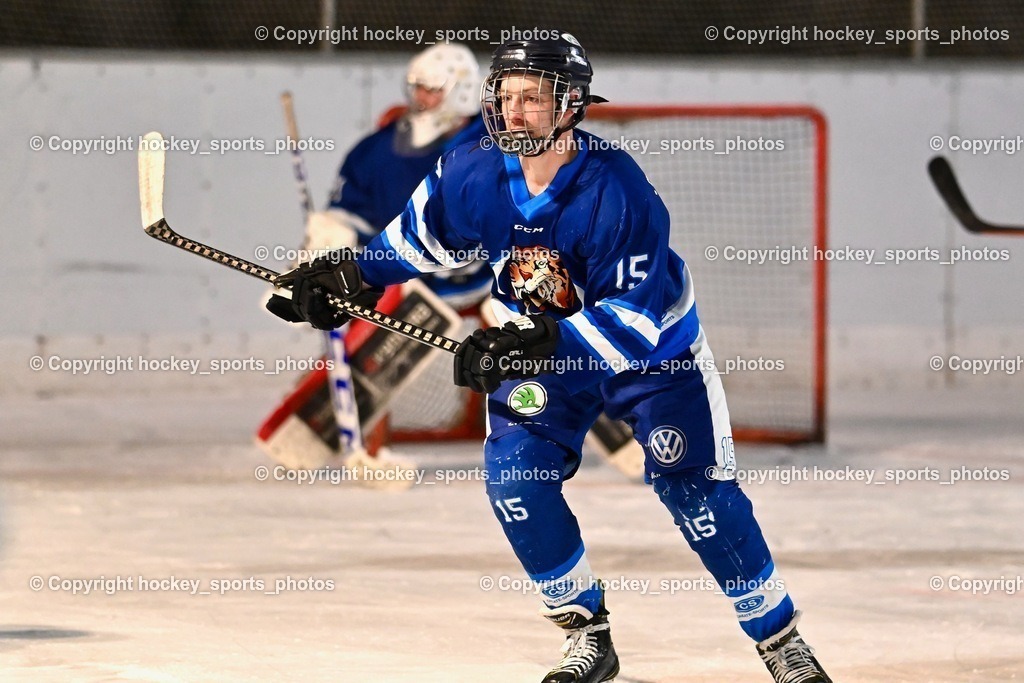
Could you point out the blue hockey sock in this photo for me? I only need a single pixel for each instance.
(717, 520)
(524, 484)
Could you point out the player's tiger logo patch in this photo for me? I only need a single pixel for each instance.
(540, 280)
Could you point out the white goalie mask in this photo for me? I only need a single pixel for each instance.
(452, 72)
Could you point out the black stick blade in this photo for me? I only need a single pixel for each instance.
(949, 189)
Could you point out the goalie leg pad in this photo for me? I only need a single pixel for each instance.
(381, 364)
(384, 363)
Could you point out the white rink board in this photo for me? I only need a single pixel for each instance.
(84, 268)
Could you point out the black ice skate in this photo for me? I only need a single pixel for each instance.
(789, 658)
(589, 656)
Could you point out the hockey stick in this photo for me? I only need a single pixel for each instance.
(949, 189)
(298, 164)
(151, 195)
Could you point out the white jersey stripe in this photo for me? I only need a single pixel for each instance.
(429, 242)
(720, 423)
(636, 321)
(597, 341)
(682, 305)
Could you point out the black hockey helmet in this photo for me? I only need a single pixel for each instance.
(561, 69)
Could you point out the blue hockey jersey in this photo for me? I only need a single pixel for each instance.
(591, 251)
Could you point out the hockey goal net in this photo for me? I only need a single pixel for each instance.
(746, 190)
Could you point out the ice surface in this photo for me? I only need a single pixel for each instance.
(126, 485)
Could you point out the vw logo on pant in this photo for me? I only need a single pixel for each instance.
(667, 445)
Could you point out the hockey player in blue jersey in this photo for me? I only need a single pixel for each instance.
(595, 307)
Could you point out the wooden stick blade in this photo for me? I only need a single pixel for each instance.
(151, 178)
(290, 122)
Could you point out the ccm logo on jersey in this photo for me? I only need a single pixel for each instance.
(523, 228)
(667, 445)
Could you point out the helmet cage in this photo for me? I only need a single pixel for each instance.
(569, 103)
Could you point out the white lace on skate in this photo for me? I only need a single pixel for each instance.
(580, 650)
(793, 662)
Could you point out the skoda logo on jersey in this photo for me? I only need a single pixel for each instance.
(528, 399)
(749, 604)
(668, 445)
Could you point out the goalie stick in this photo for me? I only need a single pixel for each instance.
(298, 164)
(151, 195)
(342, 397)
(949, 189)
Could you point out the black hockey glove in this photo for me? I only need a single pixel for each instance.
(488, 357)
(333, 274)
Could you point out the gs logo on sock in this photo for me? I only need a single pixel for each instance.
(529, 398)
(667, 445)
(749, 604)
